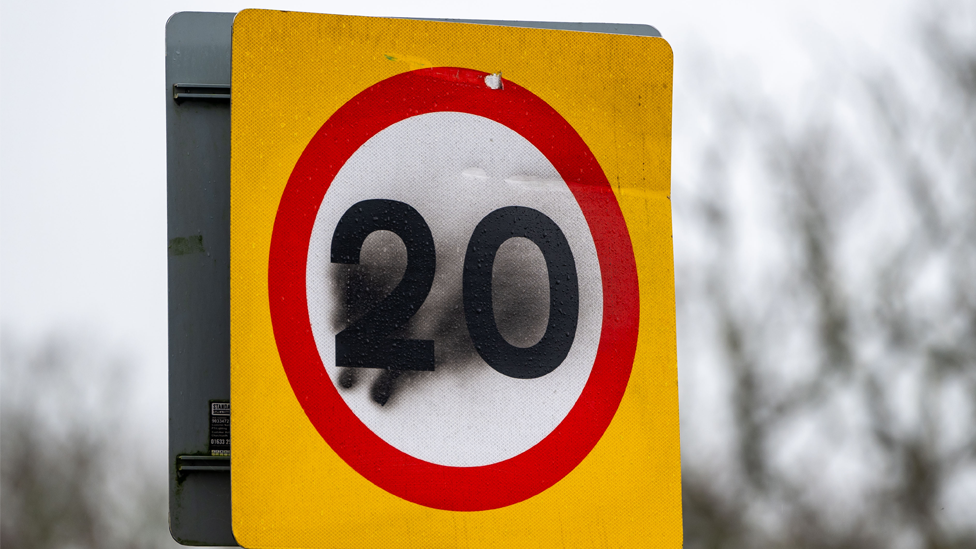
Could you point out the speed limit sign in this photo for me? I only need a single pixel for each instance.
(452, 305)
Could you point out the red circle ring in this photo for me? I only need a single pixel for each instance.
(446, 487)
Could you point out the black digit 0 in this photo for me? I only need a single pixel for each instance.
(366, 343)
(546, 355)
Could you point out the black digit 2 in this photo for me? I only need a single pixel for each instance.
(366, 343)
(546, 355)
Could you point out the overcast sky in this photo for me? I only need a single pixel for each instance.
(82, 132)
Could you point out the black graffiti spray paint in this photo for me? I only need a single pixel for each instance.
(520, 295)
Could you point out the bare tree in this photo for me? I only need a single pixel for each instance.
(72, 473)
(831, 299)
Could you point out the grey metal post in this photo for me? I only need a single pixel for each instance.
(198, 214)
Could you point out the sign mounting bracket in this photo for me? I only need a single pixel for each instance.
(211, 92)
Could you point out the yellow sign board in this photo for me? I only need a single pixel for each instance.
(452, 286)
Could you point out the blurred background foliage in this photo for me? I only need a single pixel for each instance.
(75, 462)
(825, 261)
(826, 279)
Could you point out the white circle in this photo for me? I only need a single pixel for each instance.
(455, 169)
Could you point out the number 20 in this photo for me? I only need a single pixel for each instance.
(367, 342)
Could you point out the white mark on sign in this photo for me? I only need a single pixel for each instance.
(532, 183)
(475, 173)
